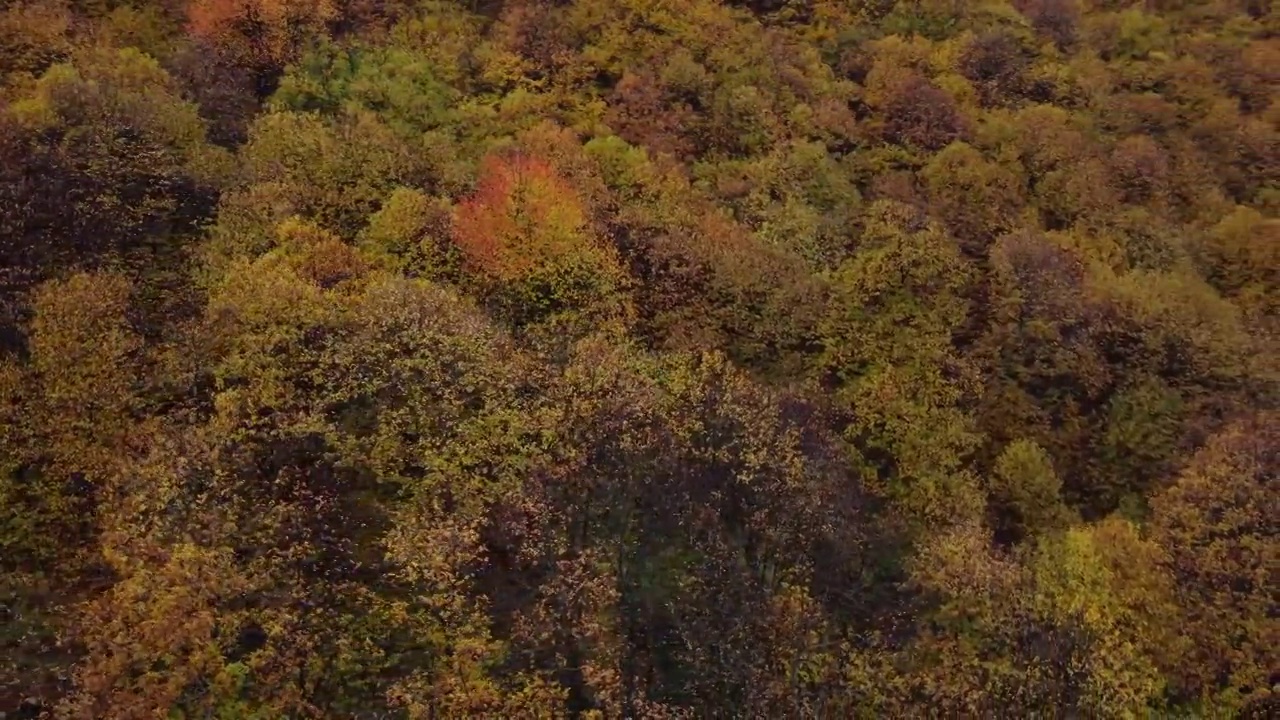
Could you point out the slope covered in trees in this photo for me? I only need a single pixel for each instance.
(639, 358)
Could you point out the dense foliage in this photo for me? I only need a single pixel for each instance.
(639, 358)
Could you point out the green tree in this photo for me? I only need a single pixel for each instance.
(1025, 485)
(887, 344)
(398, 85)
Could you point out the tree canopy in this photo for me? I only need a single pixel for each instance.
(639, 359)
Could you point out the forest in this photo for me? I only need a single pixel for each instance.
(654, 359)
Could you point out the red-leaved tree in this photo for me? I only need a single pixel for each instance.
(525, 234)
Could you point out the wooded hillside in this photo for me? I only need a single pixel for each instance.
(639, 359)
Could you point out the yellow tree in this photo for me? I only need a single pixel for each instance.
(67, 424)
(887, 338)
(1217, 526)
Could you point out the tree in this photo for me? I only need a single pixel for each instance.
(69, 432)
(1025, 486)
(1103, 584)
(221, 85)
(1240, 253)
(797, 198)
(411, 233)
(1141, 169)
(670, 532)
(915, 111)
(335, 172)
(645, 112)
(33, 37)
(69, 421)
(1077, 620)
(702, 279)
(1043, 364)
(109, 163)
(1138, 447)
(269, 32)
(1057, 19)
(526, 236)
(996, 62)
(399, 85)
(153, 639)
(977, 199)
(1223, 553)
(887, 340)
